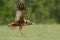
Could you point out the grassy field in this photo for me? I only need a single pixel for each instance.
(32, 32)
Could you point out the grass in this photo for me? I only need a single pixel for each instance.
(32, 32)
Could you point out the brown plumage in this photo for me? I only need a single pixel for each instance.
(20, 20)
(20, 6)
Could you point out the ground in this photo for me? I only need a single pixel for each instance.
(31, 32)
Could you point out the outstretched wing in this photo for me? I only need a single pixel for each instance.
(20, 6)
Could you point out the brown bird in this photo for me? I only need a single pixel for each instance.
(20, 20)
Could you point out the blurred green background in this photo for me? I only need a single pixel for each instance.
(39, 11)
(46, 12)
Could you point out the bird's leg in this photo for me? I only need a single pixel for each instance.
(20, 28)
